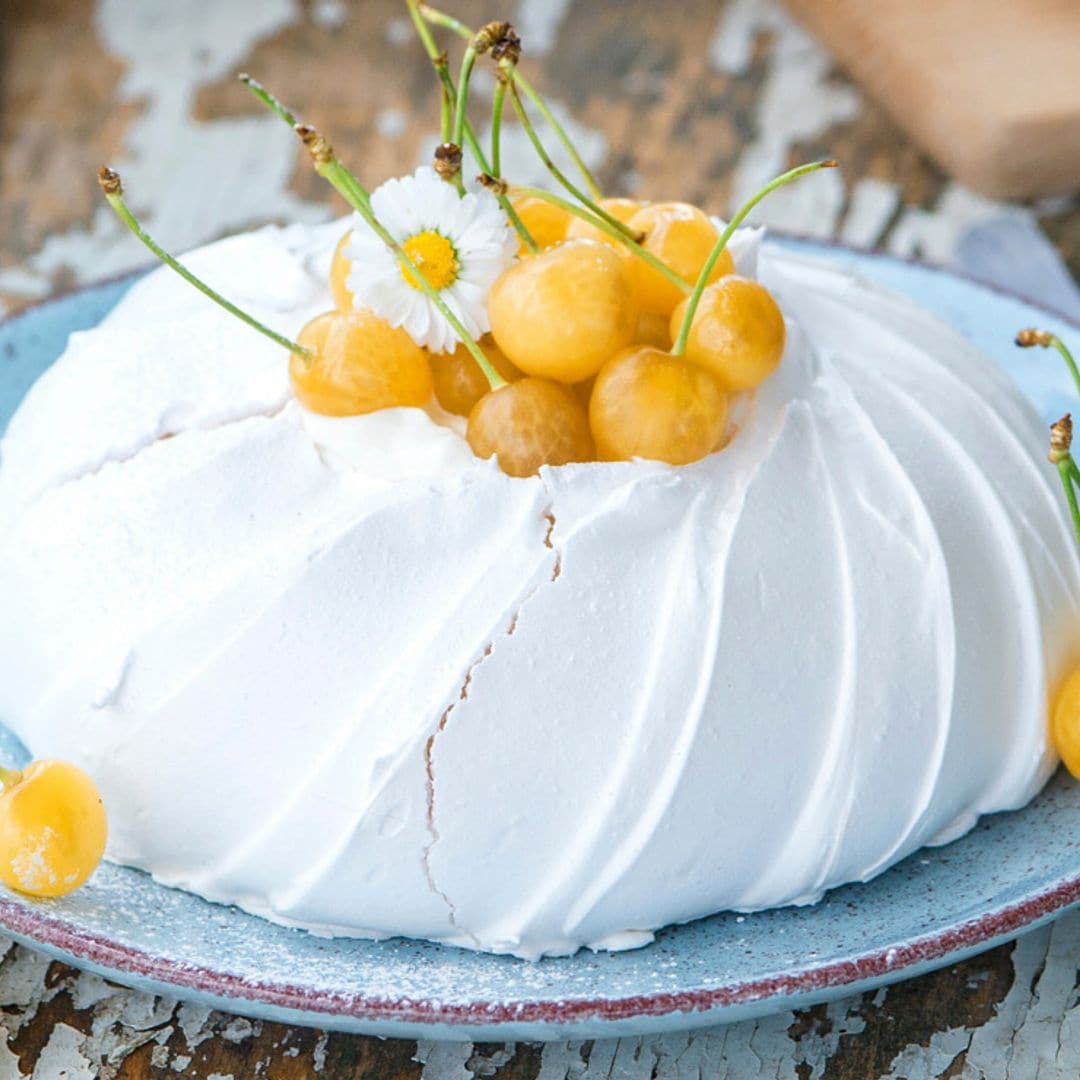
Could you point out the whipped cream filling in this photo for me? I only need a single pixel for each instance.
(351, 678)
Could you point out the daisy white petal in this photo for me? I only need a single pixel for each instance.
(462, 244)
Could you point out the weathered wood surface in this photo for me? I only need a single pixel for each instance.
(696, 100)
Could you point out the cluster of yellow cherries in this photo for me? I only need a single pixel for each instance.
(582, 334)
(619, 332)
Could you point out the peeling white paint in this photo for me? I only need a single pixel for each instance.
(797, 102)
(188, 181)
(62, 1057)
(444, 1060)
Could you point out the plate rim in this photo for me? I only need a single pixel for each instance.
(892, 963)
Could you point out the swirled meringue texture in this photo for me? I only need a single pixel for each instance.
(350, 678)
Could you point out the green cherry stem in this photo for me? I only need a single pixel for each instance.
(442, 69)
(327, 166)
(545, 157)
(598, 222)
(1027, 338)
(423, 31)
(1061, 457)
(448, 22)
(703, 277)
(497, 107)
(1066, 469)
(114, 193)
(468, 61)
(287, 115)
(267, 98)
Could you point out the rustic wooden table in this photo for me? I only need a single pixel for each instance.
(696, 100)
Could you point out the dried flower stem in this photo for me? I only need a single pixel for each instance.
(439, 18)
(679, 348)
(113, 188)
(327, 166)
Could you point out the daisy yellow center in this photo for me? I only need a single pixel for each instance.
(434, 257)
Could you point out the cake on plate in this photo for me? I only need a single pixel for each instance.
(758, 584)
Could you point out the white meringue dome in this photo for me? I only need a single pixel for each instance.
(345, 675)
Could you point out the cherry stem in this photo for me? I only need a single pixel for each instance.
(9, 777)
(114, 194)
(552, 168)
(1070, 475)
(468, 61)
(616, 234)
(703, 277)
(327, 166)
(496, 127)
(1026, 338)
(285, 114)
(438, 60)
(440, 18)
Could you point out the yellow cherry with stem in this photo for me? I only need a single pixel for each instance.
(459, 382)
(530, 423)
(681, 236)
(646, 403)
(713, 345)
(562, 313)
(53, 828)
(738, 332)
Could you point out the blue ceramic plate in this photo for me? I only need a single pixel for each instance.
(1011, 873)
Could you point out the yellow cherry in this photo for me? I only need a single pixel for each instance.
(682, 236)
(339, 273)
(738, 332)
(649, 404)
(622, 209)
(1065, 723)
(529, 423)
(459, 382)
(547, 224)
(562, 313)
(52, 828)
(652, 329)
(359, 363)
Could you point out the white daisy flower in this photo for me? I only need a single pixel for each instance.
(462, 244)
